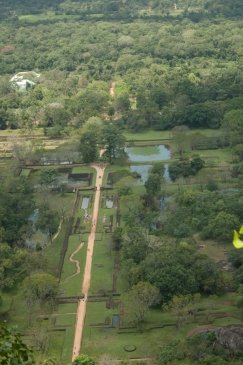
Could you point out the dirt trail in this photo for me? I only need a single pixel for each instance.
(102, 151)
(200, 329)
(58, 231)
(112, 89)
(88, 265)
(76, 262)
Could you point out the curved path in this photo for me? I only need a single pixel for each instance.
(88, 265)
(58, 230)
(112, 89)
(76, 262)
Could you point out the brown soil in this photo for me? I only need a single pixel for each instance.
(88, 265)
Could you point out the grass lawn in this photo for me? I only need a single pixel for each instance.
(66, 319)
(152, 135)
(226, 321)
(208, 132)
(6, 303)
(221, 156)
(50, 16)
(66, 308)
(212, 249)
(138, 189)
(121, 284)
(102, 267)
(77, 170)
(149, 135)
(52, 252)
(62, 334)
(18, 314)
(25, 172)
(73, 286)
(22, 132)
(82, 170)
(213, 157)
(99, 341)
(105, 340)
(218, 174)
(106, 216)
(68, 343)
(56, 344)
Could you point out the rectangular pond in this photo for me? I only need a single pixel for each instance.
(109, 202)
(166, 173)
(65, 178)
(85, 202)
(143, 172)
(158, 152)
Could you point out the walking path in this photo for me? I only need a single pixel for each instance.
(58, 230)
(76, 262)
(88, 265)
(112, 89)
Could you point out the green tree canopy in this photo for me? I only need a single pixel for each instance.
(40, 288)
(138, 300)
(48, 219)
(221, 227)
(88, 146)
(153, 184)
(48, 176)
(113, 141)
(12, 349)
(83, 360)
(12, 265)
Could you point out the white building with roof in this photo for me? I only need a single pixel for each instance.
(23, 81)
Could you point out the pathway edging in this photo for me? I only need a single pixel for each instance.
(81, 311)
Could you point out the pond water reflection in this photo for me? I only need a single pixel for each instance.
(143, 171)
(158, 152)
(109, 202)
(85, 202)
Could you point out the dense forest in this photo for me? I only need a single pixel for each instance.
(104, 74)
(174, 71)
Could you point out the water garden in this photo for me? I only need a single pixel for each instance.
(105, 318)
